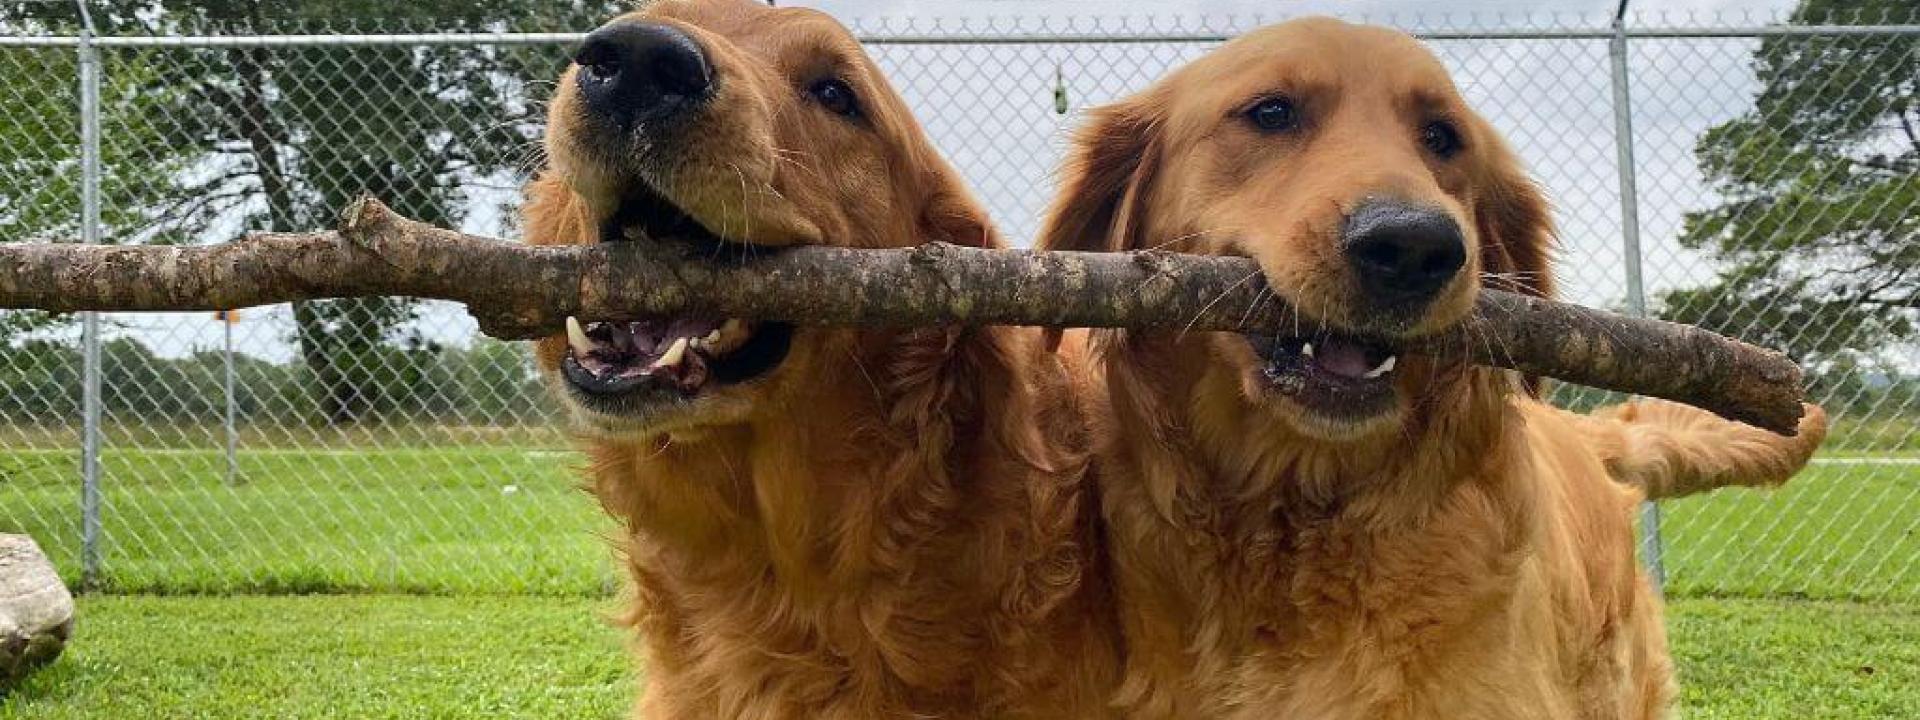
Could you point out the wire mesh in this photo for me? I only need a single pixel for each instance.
(383, 445)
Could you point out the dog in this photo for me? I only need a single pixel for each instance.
(817, 522)
(1318, 525)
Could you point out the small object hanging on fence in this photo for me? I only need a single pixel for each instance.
(36, 611)
(519, 291)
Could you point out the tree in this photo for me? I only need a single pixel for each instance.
(202, 144)
(1819, 232)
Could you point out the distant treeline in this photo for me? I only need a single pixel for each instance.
(489, 383)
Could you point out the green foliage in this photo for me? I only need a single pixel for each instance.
(1819, 233)
(18, 323)
(491, 383)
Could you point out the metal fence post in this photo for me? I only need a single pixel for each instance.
(1651, 549)
(233, 433)
(90, 321)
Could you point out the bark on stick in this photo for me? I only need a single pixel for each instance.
(519, 291)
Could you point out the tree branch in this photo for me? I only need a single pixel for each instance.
(519, 291)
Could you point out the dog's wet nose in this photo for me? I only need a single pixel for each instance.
(1403, 254)
(631, 71)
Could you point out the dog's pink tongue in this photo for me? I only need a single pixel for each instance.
(1341, 358)
(651, 337)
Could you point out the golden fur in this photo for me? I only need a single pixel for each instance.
(893, 523)
(1466, 553)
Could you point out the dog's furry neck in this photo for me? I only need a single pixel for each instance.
(870, 538)
(789, 490)
(1286, 545)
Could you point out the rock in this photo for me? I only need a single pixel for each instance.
(36, 611)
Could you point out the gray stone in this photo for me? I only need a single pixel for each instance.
(36, 611)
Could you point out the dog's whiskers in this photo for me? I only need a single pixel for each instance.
(1522, 281)
(746, 216)
(1184, 238)
(1215, 301)
(794, 157)
(1260, 298)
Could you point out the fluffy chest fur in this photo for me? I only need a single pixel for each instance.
(862, 564)
(1484, 570)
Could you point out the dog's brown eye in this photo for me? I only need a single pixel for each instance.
(1441, 138)
(1275, 114)
(834, 95)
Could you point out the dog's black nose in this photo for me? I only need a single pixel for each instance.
(631, 71)
(1403, 254)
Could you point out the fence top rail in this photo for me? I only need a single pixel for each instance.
(937, 38)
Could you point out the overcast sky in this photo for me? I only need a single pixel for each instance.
(991, 111)
(871, 9)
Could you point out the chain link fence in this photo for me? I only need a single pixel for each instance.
(1755, 177)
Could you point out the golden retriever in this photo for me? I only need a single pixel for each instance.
(1316, 526)
(818, 522)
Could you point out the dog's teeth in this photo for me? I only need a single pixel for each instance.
(673, 356)
(577, 336)
(729, 336)
(1306, 349)
(1386, 366)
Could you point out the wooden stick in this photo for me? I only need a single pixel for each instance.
(519, 291)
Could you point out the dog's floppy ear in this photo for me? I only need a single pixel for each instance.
(1516, 232)
(1107, 174)
(952, 215)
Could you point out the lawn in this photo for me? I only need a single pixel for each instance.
(495, 520)
(1846, 528)
(448, 521)
(384, 656)
(333, 656)
(472, 580)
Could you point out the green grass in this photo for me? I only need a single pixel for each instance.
(371, 435)
(332, 657)
(431, 657)
(1837, 531)
(441, 521)
(501, 593)
(1756, 659)
(1858, 432)
(411, 521)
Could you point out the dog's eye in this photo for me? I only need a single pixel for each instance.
(1441, 138)
(1275, 114)
(834, 95)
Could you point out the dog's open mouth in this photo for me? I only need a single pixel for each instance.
(1342, 377)
(614, 363)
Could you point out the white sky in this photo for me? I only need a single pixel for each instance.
(990, 109)
(871, 9)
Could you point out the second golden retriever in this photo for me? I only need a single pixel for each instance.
(1317, 525)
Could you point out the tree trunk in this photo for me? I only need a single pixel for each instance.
(333, 392)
